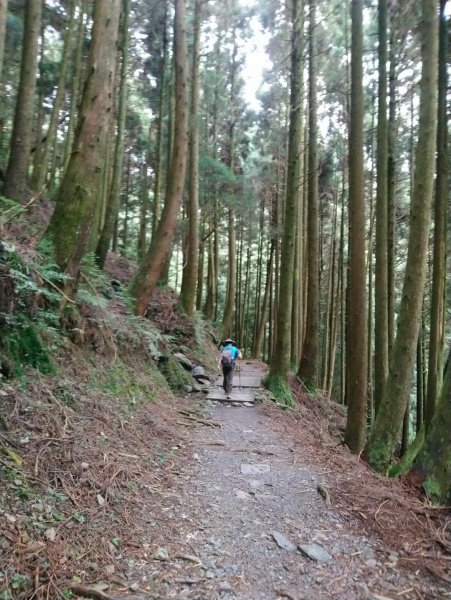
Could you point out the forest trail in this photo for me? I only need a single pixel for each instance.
(233, 525)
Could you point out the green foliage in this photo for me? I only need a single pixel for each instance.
(9, 210)
(22, 346)
(119, 381)
(30, 324)
(280, 389)
(202, 348)
(176, 376)
(433, 489)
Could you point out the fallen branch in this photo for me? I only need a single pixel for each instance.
(90, 592)
(256, 451)
(285, 594)
(191, 558)
(209, 423)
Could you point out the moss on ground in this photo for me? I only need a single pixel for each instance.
(22, 347)
(120, 380)
(406, 462)
(280, 389)
(178, 379)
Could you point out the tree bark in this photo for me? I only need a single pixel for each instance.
(280, 360)
(190, 268)
(356, 306)
(263, 316)
(113, 201)
(72, 222)
(17, 171)
(76, 84)
(150, 268)
(434, 458)
(227, 321)
(39, 174)
(308, 366)
(3, 19)
(159, 148)
(385, 433)
(436, 336)
(381, 276)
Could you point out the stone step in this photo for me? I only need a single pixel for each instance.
(242, 381)
(235, 396)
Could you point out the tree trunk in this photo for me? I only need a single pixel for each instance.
(3, 19)
(263, 317)
(190, 268)
(434, 458)
(159, 149)
(436, 336)
(280, 360)
(356, 306)
(39, 175)
(308, 366)
(150, 268)
(227, 321)
(76, 84)
(210, 302)
(113, 201)
(381, 277)
(391, 195)
(143, 210)
(385, 433)
(72, 222)
(126, 206)
(17, 171)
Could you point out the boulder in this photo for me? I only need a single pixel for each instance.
(199, 373)
(185, 362)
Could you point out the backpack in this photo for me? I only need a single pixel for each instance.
(227, 358)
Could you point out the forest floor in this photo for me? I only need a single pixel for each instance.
(263, 487)
(112, 487)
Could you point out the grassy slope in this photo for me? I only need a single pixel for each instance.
(89, 442)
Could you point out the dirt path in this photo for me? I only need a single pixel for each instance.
(244, 487)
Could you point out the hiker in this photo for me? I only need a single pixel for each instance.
(227, 358)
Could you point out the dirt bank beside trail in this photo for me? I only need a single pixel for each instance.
(249, 508)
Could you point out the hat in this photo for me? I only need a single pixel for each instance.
(228, 341)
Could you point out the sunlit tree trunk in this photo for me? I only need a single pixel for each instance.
(17, 170)
(150, 268)
(72, 223)
(356, 306)
(385, 433)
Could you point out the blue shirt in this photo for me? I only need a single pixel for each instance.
(234, 350)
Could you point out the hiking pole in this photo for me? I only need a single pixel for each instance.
(239, 373)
